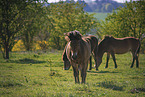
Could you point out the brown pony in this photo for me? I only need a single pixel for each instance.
(94, 46)
(114, 46)
(78, 53)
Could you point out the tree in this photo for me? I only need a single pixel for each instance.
(126, 21)
(34, 19)
(11, 22)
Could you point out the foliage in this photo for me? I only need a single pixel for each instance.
(38, 45)
(34, 22)
(65, 17)
(44, 45)
(11, 22)
(19, 46)
(31, 21)
(41, 74)
(127, 21)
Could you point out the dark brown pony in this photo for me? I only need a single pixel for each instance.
(114, 46)
(94, 46)
(78, 53)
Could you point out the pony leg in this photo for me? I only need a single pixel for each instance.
(95, 58)
(83, 73)
(113, 56)
(137, 62)
(132, 62)
(134, 57)
(96, 65)
(76, 74)
(108, 57)
(90, 63)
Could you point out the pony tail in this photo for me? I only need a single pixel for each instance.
(138, 50)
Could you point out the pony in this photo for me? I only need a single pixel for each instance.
(94, 47)
(114, 46)
(78, 53)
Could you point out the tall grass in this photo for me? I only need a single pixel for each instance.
(41, 74)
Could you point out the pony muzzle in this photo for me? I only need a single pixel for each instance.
(74, 56)
(67, 65)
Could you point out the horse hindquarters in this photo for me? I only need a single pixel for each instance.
(135, 57)
(135, 54)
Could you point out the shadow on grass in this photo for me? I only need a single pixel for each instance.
(111, 85)
(26, 61)
(137, 90)
(101, 72)
(10, 83)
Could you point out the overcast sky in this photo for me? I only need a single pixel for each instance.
(120, 1)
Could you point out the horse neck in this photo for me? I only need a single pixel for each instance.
(100, 53)
(81, 45)
(101, 50)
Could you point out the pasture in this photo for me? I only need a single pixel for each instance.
(31, 74)
(100, 16)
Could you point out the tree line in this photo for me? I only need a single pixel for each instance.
(30, 21)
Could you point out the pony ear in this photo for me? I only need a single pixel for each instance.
(66, 37)
(78, 34)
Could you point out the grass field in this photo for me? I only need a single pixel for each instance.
(100, 16)
(30, 74)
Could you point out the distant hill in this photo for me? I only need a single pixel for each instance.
(101, 5)
(104, 6)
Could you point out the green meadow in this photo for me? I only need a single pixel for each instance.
(38, 74)
(100, 16)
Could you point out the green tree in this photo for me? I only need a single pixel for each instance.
(67, 17)
(34, 18)
(126, 21)
(11, 22)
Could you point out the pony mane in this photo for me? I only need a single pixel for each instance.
(108, 37)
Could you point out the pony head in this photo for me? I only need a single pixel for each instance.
(73, 35)
(74, 38)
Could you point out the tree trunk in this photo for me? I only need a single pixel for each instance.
(7, 51)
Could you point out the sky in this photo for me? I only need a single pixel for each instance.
(120, 1)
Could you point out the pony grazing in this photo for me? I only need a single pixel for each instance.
(114, 46)
(78, 53)
(94, 46)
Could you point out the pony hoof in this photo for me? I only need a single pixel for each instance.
(89, 69)
(97, 69)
